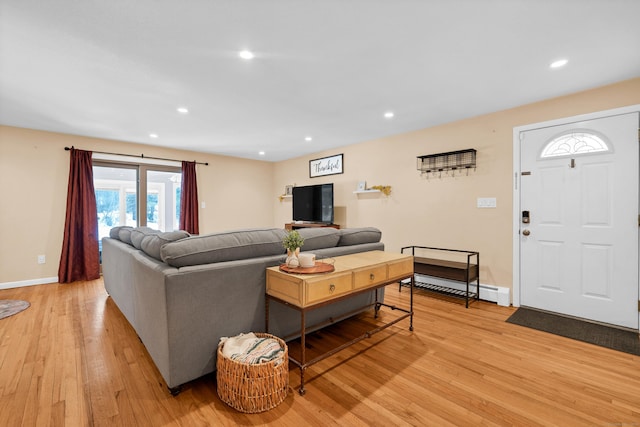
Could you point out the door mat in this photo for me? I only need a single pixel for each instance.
(9, 307)
(593, 333)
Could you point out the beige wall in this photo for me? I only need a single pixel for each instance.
(34, 170)
(443, 212)
(242, 193)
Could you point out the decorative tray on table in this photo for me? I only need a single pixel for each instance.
(320, 267)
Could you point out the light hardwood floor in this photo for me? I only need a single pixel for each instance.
(72, 359)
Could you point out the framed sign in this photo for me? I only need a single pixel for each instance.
(326, 166)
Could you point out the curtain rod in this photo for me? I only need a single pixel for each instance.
(142, 156)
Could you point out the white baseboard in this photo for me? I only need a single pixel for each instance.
(497, 294)
(32, 282)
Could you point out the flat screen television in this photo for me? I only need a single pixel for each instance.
(313, 203)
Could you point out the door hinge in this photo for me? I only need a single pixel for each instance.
(638, 305)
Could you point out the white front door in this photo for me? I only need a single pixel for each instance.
(579, 250)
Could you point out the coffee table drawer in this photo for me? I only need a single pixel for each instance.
(287, 288)
(370, 276)
(401, 268)
(323, 289)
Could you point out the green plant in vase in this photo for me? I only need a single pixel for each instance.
(292, 242)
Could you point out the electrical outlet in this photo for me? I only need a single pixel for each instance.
(41, 259)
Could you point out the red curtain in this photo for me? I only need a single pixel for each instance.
(189, 199)
(80, 255)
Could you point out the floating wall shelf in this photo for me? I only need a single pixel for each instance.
(452, 161)
(366, 191)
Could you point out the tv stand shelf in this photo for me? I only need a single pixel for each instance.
(464, 272)
(295, 225)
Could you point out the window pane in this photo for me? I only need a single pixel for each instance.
(574, 143)
(152, 208)
(132, 208)
(163, 200)
(177, 196)
(116, 197)
(108, 204)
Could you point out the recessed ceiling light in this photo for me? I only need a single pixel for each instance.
(183, 110)
(261, 153)
(153, 135)
(389, 114)
(559, 63)
(307, 138)
(246, 54)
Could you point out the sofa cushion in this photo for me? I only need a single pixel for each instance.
(226, 246)
(138, 233)
(114, 233)
(124, 234)
(358, 236)
(319, 238)
(152, 243)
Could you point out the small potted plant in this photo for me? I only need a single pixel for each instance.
(292, 243)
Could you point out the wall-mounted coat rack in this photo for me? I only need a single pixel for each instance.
(450, 163)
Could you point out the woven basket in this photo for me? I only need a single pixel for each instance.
(253, 388)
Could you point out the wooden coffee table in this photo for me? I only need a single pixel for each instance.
(353, 274)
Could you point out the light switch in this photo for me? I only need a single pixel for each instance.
(487, 202)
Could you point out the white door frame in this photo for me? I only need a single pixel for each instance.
(516, 178)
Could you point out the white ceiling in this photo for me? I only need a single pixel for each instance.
(327, 69)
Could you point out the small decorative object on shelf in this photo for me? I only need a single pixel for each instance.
(376, 189)
(449, 162)
(288, 192)
(384, 189)
(292, 242)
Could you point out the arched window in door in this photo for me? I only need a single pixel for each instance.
(574, 142)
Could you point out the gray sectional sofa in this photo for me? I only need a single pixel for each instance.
(183, 293)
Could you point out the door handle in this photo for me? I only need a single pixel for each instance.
(526, 232)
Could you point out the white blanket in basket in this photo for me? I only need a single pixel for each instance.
(250, 349)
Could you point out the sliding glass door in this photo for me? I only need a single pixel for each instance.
(136, 195)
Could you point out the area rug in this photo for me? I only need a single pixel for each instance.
(604, 336)
(9, 307)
